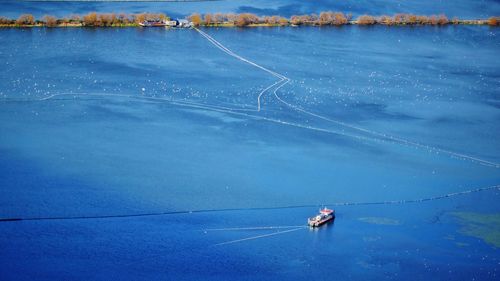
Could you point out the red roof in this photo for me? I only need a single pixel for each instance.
(326, 211)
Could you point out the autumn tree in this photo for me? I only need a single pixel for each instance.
(283, 21)
(398, 19)
(104, 19)
(411, 19)
(219, 18)
(123, 18)
(208, 19)
(493, 21)
(339, 19)
(195, 19)
(138, 18)
(325, 18)
(442, 20)
(4, 20)
(272, 20)
(387, 20)
(232, 18)
(433, 20)
(366, 20)
(90, 19)
(246, 19)
(422, 20)
(296, 20)
(50, 21)
(163, 17)
(25, 19)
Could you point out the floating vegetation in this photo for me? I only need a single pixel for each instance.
(483, 226)
(380, 221)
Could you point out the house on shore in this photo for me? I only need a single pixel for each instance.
(179, 23)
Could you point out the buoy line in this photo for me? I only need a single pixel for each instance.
(284, 80)
(335, 204)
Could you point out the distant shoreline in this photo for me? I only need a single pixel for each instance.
(94, 19)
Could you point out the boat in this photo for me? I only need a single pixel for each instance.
(325, 215)
(180, 23)
(151, 23)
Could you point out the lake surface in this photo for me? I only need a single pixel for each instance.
(126, 121)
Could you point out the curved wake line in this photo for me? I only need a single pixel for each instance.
(286, 80)
(203, 106)
(231, 53)
(152, 214)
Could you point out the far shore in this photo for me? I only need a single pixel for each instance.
(232, 25)
(240, 20)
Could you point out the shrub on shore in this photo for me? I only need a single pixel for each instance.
(25, 19)
(90, 19)
(300, 20)
(331, 18)
(410, 19)
(366, 20)
(4, 20)
(195, 19)
(246, 19)
(494, 21)
(49, 21)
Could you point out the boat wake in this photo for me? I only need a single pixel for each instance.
(283, 80)
(253, 228)
(258, 236)
(361, 133)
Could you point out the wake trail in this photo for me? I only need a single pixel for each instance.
(204, 106)
(255, 228)
(258, 237)
(394, 139)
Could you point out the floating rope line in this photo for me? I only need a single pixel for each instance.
(449, 195)
(393, 139)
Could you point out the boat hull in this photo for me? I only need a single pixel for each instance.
(322, 221)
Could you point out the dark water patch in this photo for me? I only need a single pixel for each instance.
(292, 9)
(443, 120)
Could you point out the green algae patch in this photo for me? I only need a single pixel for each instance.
(380, 221)
(483, 226)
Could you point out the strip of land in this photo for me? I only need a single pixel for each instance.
(94, 19)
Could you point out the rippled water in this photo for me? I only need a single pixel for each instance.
(124, 121)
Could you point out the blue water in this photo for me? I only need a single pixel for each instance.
(122, 140)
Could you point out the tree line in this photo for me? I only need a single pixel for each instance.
(91, 19)
(329, 18)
